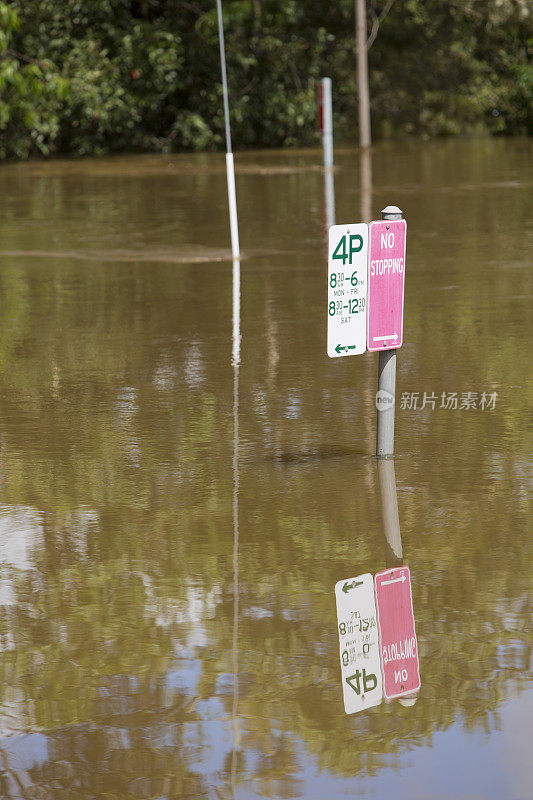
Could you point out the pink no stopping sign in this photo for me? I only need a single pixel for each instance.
(386, 282)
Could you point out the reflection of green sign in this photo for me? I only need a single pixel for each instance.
(358, 642)
(352, 585)
(369, 681)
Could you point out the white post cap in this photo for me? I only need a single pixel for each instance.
(391, 212)
(410, 700)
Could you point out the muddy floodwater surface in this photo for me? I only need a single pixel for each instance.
(185, 475)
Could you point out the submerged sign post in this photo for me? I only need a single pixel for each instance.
(376, 625)
(347, 289)
(358, 641)
(366, 281)
(399, 646)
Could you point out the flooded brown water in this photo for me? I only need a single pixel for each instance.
(181, 487)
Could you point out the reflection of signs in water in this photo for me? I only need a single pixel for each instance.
(368, 684)
(398, 643)
(358, 643)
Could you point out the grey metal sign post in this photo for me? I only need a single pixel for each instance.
(387, 380)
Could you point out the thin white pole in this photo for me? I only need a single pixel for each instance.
(329, 191)
(230, 168)
(232, 200)
(327, 122)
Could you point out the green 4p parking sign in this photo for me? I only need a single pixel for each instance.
(347, 289)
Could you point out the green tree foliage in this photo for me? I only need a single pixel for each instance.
(31, 95)
(90, 76)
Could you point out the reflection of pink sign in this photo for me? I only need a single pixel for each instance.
(386, 279)
(398, 643)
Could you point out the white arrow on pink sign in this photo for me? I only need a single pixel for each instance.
(386, 281)
(398, 643)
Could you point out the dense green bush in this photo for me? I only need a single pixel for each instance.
(91, 76)
(32, 93)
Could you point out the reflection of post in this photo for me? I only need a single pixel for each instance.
(236, 359)
(391, 531)
(271, 333)
(329, 193)
(236, 351)
(366, 184)
(389, 511)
